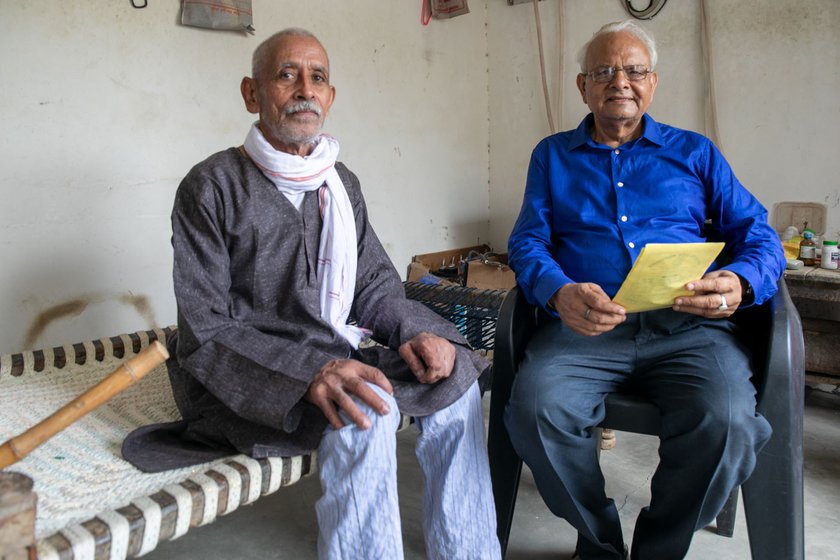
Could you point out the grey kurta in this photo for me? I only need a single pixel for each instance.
(250, 336)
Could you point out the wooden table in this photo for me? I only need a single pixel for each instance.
(816, 293)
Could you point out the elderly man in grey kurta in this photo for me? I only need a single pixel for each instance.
(273, 254)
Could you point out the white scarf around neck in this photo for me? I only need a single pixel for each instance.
(337, 257)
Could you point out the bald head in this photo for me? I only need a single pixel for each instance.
(264, 51)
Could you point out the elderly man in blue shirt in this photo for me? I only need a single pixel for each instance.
(595, 196)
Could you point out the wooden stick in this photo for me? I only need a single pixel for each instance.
(123, 377)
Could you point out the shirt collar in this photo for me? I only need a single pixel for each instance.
(652, 131)
(580, 136)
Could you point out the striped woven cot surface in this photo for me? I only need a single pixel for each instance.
(91, 503)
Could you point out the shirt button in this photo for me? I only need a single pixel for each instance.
(616, 152)
(631, 245)
(624, 218)
(620, 184)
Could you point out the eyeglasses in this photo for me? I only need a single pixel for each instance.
(604, 74)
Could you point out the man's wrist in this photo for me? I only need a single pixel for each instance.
(747, 296)
(550, 303)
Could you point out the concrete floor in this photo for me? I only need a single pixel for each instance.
(283, 526)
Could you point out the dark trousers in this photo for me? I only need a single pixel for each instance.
(696, 372)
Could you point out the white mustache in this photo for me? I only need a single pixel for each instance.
(304, 106)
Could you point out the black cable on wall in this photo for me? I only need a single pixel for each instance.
(649, 12)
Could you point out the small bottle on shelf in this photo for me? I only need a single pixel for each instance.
(808, 249)
(830, 255)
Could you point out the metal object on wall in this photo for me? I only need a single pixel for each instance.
(648, 12)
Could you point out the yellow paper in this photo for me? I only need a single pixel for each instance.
(661, 272)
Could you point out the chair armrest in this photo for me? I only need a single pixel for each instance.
(784, 376)
(780, 396)
(515, 327)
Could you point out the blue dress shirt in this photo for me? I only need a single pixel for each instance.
(589, 209)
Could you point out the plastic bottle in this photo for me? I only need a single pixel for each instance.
(830, 255)
(808, 249)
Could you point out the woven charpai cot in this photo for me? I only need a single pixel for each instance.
(91, 503)
(94, 505)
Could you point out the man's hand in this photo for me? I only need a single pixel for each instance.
(717, 295)
(586, 309)
(429, 357)
(337, 380)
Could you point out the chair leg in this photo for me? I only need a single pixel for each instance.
(505, 471)
(505, 488)
(726, 517)
(774, 501)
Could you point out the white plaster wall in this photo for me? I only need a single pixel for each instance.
(776, 83)
(104, 108)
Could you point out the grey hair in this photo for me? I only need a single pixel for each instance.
(263, 50)
(628, 26)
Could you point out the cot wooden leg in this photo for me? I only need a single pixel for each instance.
(17, 517)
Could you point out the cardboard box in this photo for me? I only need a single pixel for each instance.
(448, 267)
(493, 274)
(418, 272)
(432, 263)
(435, 261)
